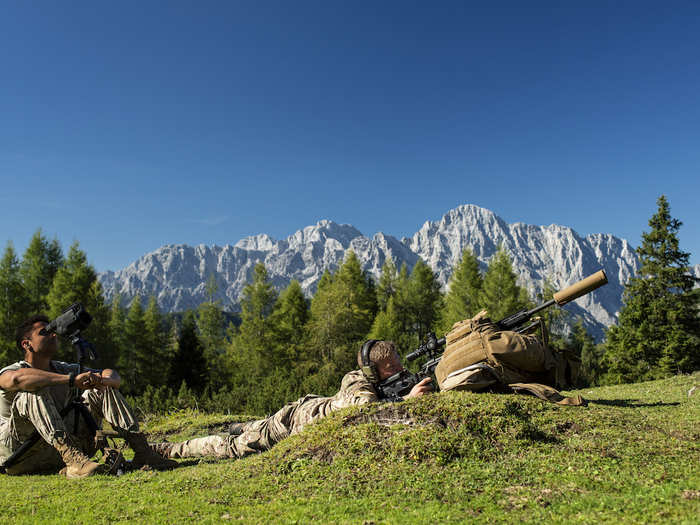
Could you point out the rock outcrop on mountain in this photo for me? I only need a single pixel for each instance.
(177, 274)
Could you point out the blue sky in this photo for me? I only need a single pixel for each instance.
(129, 125)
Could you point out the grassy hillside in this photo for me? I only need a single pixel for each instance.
(631, 456)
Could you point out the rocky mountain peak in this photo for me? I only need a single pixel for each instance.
(177, 274)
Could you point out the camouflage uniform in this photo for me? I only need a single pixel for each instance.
(262, 434)
(23, 412)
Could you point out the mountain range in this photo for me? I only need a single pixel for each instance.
(177, 274)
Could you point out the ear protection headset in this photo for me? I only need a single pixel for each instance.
(369, 369)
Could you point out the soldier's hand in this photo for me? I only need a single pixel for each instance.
(420, 389)
(88, 380)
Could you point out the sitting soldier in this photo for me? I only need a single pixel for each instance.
(35, 390)
(256, 436)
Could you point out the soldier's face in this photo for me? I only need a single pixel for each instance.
(389, 367)
(40, 341)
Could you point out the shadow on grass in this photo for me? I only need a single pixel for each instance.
(629, 403)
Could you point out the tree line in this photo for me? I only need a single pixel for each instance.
(283, 345)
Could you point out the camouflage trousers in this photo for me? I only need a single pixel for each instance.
(259, 435)
(38, 411)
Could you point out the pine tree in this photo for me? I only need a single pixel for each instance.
(425, 299)
(342, 311)
(72, 282)
(387, 285)
(659, 329)
(133, 363)
(289, 318)
(117, 320)
(12, 303)
(500, 294)
(212, 331)
(189, 364)
(462, 301)
(156, 357)
(387, 325)
(256, 334)
(38, 268)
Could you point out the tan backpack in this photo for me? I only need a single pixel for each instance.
(479, 356)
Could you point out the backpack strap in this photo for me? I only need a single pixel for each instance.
(547, 393)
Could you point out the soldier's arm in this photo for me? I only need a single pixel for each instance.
(356, 390)
(30, 379)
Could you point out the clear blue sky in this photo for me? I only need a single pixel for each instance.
(129, 125)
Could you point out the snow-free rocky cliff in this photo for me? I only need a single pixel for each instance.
(177, 274)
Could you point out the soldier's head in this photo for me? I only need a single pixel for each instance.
(31, 336)
(379, 360)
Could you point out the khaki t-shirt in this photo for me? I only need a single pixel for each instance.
(60, 393)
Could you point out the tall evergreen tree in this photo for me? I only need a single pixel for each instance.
(212, 331)
(425, 299)
(387, 326)
(188, 363)
(117, 320)
(289, 318)
(342, 311)
(133, 363)
(256, 333)
(659, 329)
(156, 357)
(38, 268)
(500, 294)
(387, 284)
(462, 301)
(12, 303)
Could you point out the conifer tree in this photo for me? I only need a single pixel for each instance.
(342, 311)
(72, 282)
(425, 299)
(117, 319)
(289, 319)
(212, 331)
(659, 329)
(462, 301)
(188, 363)
(134, 364)
(13, 308)
(256, 334)
(500, 294)
(38, 268)
(156, 356)
(387, 285)
(387, 326)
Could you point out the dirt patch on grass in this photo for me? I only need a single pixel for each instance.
(391, 415)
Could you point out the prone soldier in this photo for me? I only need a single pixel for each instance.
(357, 388)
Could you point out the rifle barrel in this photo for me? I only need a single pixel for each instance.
(580, 288)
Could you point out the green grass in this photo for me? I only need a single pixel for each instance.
(631, 456)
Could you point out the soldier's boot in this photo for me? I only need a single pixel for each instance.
(144, 454)
(78, 465)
